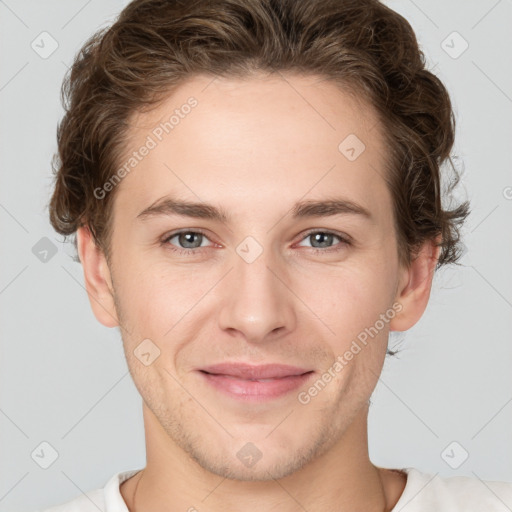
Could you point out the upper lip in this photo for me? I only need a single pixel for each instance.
(247, 371)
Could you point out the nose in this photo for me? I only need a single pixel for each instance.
(257, 303)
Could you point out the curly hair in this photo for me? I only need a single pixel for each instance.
(362, 45)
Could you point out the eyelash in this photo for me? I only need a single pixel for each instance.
(344, 241)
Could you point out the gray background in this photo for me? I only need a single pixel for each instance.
(63, 376)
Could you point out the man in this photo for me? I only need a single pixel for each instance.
(253, 186)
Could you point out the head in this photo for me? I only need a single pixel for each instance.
(311, 138)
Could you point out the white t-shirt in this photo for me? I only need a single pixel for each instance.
(424, 492)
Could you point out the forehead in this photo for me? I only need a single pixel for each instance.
(259, 140)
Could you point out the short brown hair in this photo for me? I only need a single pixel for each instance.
(362, 45)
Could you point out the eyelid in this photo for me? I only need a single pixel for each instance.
(344, 240)
(172, 234)
(344, 237)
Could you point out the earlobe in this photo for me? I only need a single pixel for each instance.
(97, 277)
(415, 285)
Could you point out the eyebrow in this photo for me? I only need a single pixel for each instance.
(168, 206)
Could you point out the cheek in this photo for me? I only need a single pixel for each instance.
(156, 297)
(351, 303)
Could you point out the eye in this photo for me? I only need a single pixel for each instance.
(321, 241)
(189, 241)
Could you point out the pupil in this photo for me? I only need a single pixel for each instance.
(187, 238)
(319, 236)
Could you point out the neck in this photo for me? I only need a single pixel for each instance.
(343, 478)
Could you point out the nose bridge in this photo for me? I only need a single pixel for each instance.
(257, 302)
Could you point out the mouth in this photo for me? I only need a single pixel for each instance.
(255, 383)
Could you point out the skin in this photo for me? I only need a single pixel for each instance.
(254, 147)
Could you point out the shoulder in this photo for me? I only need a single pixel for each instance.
(89, 502)
(107, 499)
(430, 491)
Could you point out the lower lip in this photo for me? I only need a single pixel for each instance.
(254, 390)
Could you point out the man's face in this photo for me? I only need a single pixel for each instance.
(264, 286)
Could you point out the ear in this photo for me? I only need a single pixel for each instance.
(98, 281)
(414, 286)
